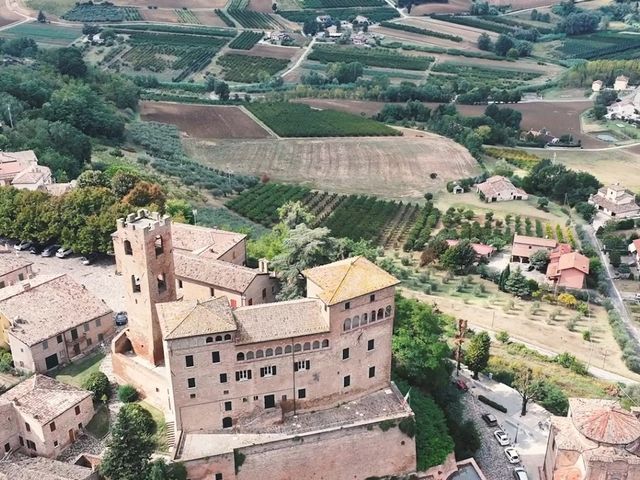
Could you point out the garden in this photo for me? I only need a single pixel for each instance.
(248, 68)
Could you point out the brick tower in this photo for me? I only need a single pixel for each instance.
(143, 248)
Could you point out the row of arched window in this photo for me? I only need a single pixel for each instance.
(219, 338)
(288, 349)
(359, 321)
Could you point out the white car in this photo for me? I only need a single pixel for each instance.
(63, 252)
(520, 473)
(512, 455)
(502, 437)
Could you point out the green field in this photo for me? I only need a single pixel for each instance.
(604, 45)
(89, 13)
(375, 14)
(245, 40)
(299, 120)
(249, 69)
(55, 7)
(373, 57)
(45, 34)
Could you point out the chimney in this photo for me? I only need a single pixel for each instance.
(263, 265)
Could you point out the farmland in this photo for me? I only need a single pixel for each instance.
(186, 16)
(246, 40)
(7, 18)
(173, 4)
(600, 46)
(204, 121)
(297, 120)
(375, 14)
(483, 75)
(390, 167)
(343, 3)
(183, 30)
(250, 19)
(375, 57)
(421, 31)
(248, 69)
(88, 13)
(44, 34)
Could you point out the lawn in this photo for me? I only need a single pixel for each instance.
(77, 372)
(45, 34)
(98, 427)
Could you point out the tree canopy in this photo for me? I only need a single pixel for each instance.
(477, 355)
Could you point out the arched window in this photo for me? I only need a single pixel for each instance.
(249, 355)
(227, 336)
(218, 338)
(209, 340)
(278, 350)
(240, 357)
(127, 248)
(259, 354)
(268, 352)
(288, 349)
(158, 245)
(372, 318)
(297, 347)
(364, 319)
(387, 311)
(356, 321)
(135, 284)
(346, 325)
(325, 343)
(316, 345)
(380, 314)
(227, 422)
(307, 346)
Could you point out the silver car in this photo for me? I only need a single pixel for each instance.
(520, 474)
(512, 455)
(502, 437)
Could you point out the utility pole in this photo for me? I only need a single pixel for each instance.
(459, 340)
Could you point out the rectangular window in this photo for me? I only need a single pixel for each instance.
(98, 322)
(52, 426)
(74, 334)
(86, 327)
(179, 283)
(223, 378)
(55, 443)
(346, 382)
(345, 353)
(21, 441)
(302, 365)
(7, 447)
(27, 426)
(192, 396)
(228, 406)
(191, 382)
(161, 282)
(59, 338)
(101, 337)
(264, 293)
(212, 291)
(215, 357)
(2, 285)
(268, 371)
(77, 409)
(89, 342)
(218, 476)
(372, 298)
(45, 345)
(31, 445)
(372, 372)
(21, 276)
(371, 344)
(250, 302)
(233, 303)
(242, 375)
(302, 393)
(188, 360)
(347, 305)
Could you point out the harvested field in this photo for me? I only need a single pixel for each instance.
(453, 6)
(7, 18)
(392, 167)
(409, 37)
(523, 4)
(263, 6)
(204, 121)
(271, 51)
(143, 4)
(209, 17)
(159, 15)
(469, 34)
(357, 107)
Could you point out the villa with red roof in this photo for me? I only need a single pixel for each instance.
(566, 268)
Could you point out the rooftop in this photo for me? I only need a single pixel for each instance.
(204, 241)
(535, 241)
(350, 278)
(604, 421)
(10, 262)
(193, 318)
(497, 184)
(271, 321)
(32, 174)
(214, 272)
(44, 398)
(44, 306)
(19, 467)
(573, 260)
(481, 249)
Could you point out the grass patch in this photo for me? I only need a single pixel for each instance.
(98, 427)
(249, 69)
(43, 33)
(77, 372)
(160, 433)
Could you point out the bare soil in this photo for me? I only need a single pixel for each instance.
(209, 17)
(159, 15)
(273, 51)
(419, 39)
(470, 34)
(7, 18)
(453, 6)
(143, 4)
(263, 6)
(392, 167)
(204, 121)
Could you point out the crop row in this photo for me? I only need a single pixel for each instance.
(421, 230)
(421, 31)
(249, 69)
(250, 19)
(183, 30)
(299, 120)
(483, 72)
(519, 158)
(599, 47)
(187, 16)
(187, 60)
(261, 203)
(374, 14)
(475, 22)
(89, 13)
(246, 40)
(373, 57)
(225, 18)
(515, 23)
(343, 3)
(176, 39)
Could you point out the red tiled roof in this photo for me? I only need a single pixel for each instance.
(481, 249)
(574, 260)
(604, 422)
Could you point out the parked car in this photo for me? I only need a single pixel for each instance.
(502, 437)
(460, 385)
(520, 474)
(63, 252)
(35, 249)
(489, 419)
(50, 250)
(89, 259)
(121, 318)
(512, 455)
(23, 245)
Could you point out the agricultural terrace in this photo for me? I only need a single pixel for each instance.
(297, 120)
(375, 57)
(383, 222)
(90, 13)
(246, 40)
(43, 34)
(248, 68)
(390, 167)
(204, 121)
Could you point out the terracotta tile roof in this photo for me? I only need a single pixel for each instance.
(44, 398)
(46, 305)
(32, 175)
(559, 251)
(184, 319)
(574, 260)
(481, 249)
(498, 184)
(271, 321)
(10, 262)
(603, 421)
(208, 242)
(636, 245)
(347, 279)
(613, 206)
(214, 272)
(524, 246)
(19, 467)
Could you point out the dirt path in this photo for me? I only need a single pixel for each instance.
(301, 59)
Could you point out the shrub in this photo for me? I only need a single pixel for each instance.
(127, 394)
(569, 361)
(493, 404)
(408, 427)
(6, 361)
(386, 425)
(99, 384)
(502, 336)
(586, 335)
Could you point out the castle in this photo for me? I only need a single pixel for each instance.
(256, 388)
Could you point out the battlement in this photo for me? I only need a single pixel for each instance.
(143, 219)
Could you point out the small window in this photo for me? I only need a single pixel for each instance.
(325, 343)
(259, 354)
(307, 346)
(316, 345)
(212, 291)
(191, 382)
(346, 381)
(387, 311)
(356, 322)
(297, 347)
(250, 302)
(278, 351)
(371, 344)
(158, 245)
(135, 284)
(215, 357)
(268, 352)
(264, 293)
(346, 325)
(127, 248)
(98, 322)
(192, 396)
(372, 372)
(45, 345)
(218, 338)
(52, 426)
(288, 349)
(209, 340)
(242, 375)
(179, 283)
(364, 319)
(249, 355)
(240, 357)
(302, 393)
(268, 371)
(373, 316)
(86, 327)
(188, 360)
(21, 441)
(162, 283)
(223, 378)
(372, 297)
(59, 338)
(347, 305)
(80, 426)
(27, 426)
(227, 422)
(74, 334)
(7, 447)
(228, 406)
(89, 342)
(77, 409)
(55, 443)
(100, 337)
(345, 353)
(380, 314)
(218, 476)
(301, 365)
(2, 284)
(227, 336)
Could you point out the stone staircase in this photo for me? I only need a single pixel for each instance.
(171, 435)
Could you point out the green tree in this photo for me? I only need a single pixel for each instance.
(37, 217)
(484, 42)
(517, 284)
(42, 18)
(477, 355)
(543, 203)
(99, 384)
(222, 90)
(528, 384)
(503, 44)
(93, 178)
(458, 258)
(123, 182)
(504, 276)
(539, 260)
(180, 210)
(159, 470)
(69, 61)
(293, 213)
(146, 194)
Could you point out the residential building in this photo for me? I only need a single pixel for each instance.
(524, 246)
(615, 201)
(14, 269)
(42, 416)
(597, 440)
(634, 249)
(621, 83)
(50, 320)
(499, 189)
(21, 170)
(22, 467)
(482, 250)
(258, 381)
(597, 85)
(34, 177)
(567, 268)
